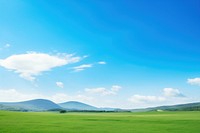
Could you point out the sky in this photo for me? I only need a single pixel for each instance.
(106, 53)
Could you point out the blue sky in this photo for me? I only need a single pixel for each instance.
(108, 53)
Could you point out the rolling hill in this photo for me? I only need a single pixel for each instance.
(46, 105)
(31, 105)
(74, 105)
(180, 107)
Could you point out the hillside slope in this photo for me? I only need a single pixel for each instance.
(74, 105)
(31, 105)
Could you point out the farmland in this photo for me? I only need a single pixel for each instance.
(145, 122)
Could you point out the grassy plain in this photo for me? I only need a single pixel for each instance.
(149, 122)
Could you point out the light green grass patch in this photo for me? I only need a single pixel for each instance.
(149, 122)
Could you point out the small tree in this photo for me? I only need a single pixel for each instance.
(63, 111)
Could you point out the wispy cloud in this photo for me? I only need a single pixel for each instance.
(102, 62)
(7, 45)
(82, 67)
(32, 64)
(86, 66)
(194, 81)
(103, 91)
(60, 84)
(115, 88)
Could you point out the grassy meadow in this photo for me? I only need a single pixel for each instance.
(148, 122)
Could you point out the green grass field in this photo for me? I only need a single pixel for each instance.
(149, 122)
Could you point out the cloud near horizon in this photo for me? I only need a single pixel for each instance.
(136, 101)
(13, 95)
(139, 99)
(167, 94)
(32, 64)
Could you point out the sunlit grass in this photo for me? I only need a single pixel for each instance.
(150, 122)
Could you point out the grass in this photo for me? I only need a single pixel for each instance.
(149, 122)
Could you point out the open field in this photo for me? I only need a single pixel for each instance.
(149, 122)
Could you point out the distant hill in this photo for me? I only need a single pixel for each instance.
(179, 107)
(74, 105)
(31, 105)
(47, 105)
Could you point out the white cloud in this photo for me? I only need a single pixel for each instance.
(85, 66)
(170, 95)
(82, 67)
(138, 99)
(194, 81)
(12, 95)
(170, 92)
(83, 98)
(102, 62)
(32, 64)
(116, 88)
(60, 84)
(103, 91)
(62, 97)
